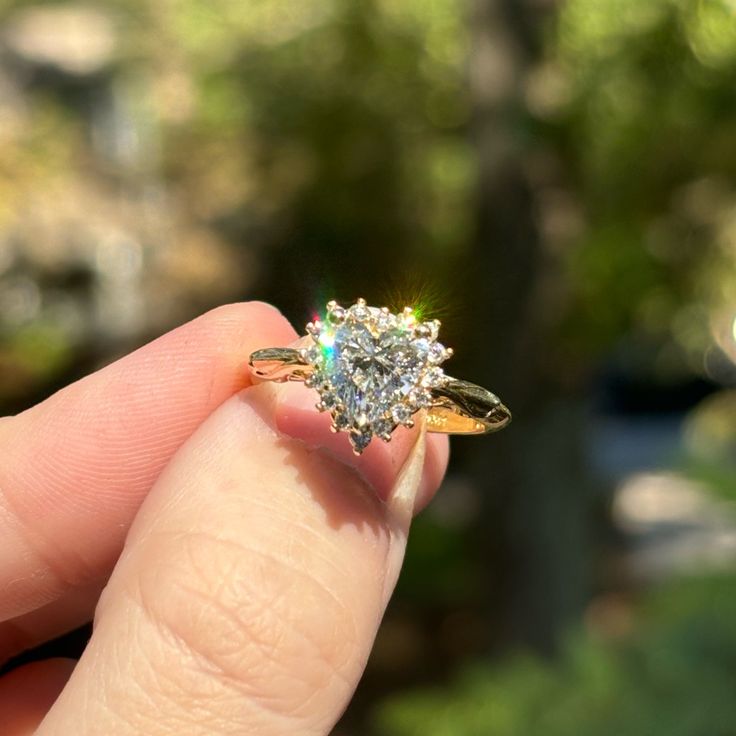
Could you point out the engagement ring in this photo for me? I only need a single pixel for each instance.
(374, 370)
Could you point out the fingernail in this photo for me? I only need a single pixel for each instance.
(403, 496)
(382, 465)
(401, 503)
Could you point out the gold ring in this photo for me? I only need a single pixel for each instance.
(374, 370)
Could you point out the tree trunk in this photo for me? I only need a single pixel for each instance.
(535, 516)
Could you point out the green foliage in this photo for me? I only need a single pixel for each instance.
(647, 121)
(344, 115)
(717, 477)
(674, 674)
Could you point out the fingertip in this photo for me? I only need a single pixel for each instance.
(296, 416)
(380, 464)
(240, 310)
(244, 316)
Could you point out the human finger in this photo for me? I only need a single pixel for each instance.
(250, 589)
(76, 467)
(28, 692)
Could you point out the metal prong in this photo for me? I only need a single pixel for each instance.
(449, 352)
(331, 305)
(320, 406)
(361, 302)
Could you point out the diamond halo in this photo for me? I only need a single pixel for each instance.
(373, 369)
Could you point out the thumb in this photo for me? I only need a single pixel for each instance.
(251, 586)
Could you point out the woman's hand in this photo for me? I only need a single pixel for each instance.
(259, 553)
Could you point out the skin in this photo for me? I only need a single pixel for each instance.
(236, 556)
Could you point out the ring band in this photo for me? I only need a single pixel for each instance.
(374, 370)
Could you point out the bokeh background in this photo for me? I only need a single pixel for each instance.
(555, 180)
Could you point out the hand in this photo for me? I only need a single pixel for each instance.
(259, 553)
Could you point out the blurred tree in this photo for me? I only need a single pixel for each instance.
(364, 154)
(605, 195)
(644, 130)
(537, 523)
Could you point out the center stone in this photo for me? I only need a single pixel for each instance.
(370, 373)
(374, 369)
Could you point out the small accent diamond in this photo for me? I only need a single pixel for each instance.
(401, 413)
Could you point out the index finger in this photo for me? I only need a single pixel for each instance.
(76, 467)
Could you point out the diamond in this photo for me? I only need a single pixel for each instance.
(384, 319)
(336, 314)
(360, 440)
(436, 353)
(434, 377)
(401, 413)
(420, 398)
(373, 369)
(313, 355)
(341, 422)
(360, 312)
(383, 427)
